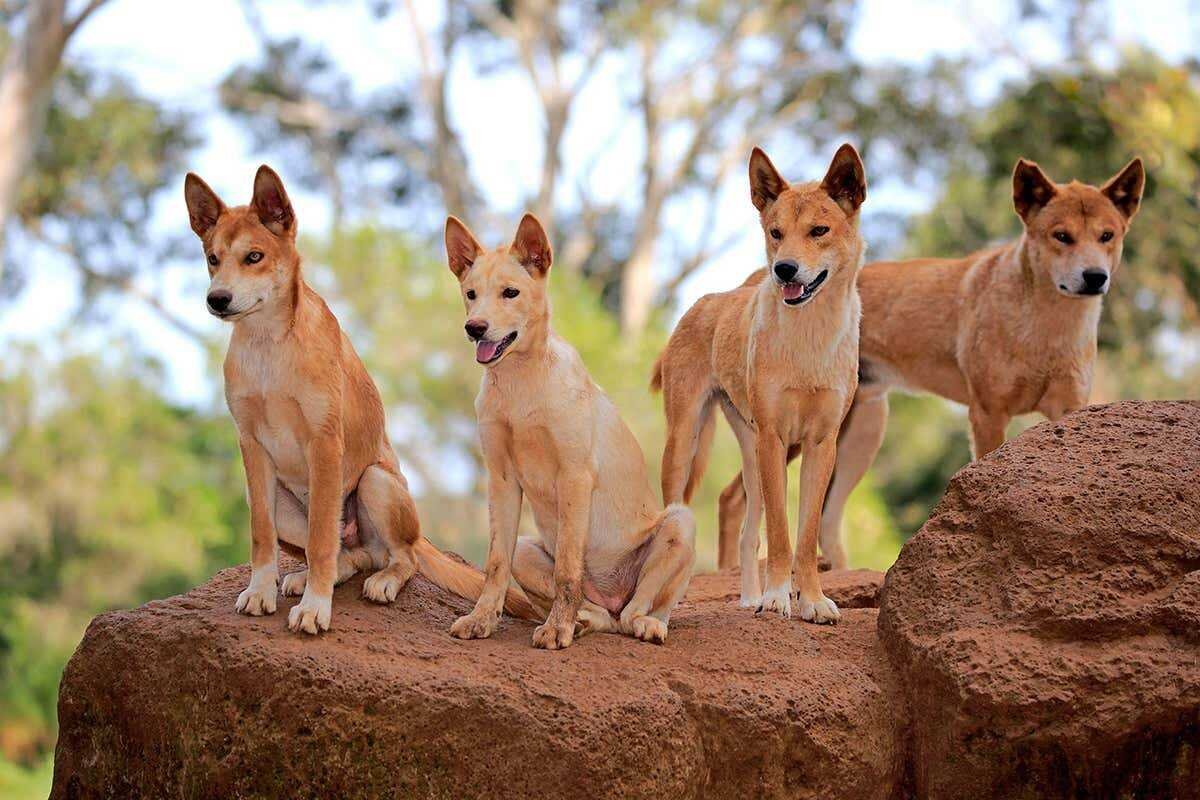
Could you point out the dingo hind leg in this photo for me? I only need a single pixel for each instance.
(858, 443)
(664, 576)
(390, 514)
(291, 523)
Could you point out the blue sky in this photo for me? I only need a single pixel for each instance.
(179, 52)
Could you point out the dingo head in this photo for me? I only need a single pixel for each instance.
(1073, 231)
(811, 229)
(504, 290)
(251, 250)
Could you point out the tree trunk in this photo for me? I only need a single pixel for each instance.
(26, 81)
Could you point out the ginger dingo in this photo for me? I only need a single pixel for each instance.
(608, 557)
(1005, 331)
(320, 473)
(781, 358)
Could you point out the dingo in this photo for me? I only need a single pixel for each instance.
(1005, 331)
(781, 357)
(608, 557)
(320, 473)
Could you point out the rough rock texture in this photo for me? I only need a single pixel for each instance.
(183, 697)
(1046, 619)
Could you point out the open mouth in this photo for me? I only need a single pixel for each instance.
(1086, 291)
(795, 292)
(488, 350)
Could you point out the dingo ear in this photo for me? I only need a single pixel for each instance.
(531, 247)
(1031, 189)
(1125, 188)
(271, 203)
(846, 180)
(461, 247)
(202, 203)
(766, 183)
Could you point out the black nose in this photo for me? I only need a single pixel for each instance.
(1094, 279)
(219, 300)
(786, 270)
(475, 328)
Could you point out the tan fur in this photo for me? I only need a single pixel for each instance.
(608, 557)
(1003, 331)
(784, 375)
(309, 418)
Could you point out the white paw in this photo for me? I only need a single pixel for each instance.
(823, 611)
(382, 587)
(649, 629)
(293, 583)
(778, 600)
(259, 597)
(311, 614)
(750, 600)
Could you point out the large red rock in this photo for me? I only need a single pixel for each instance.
(184, 698)
(1046, 620)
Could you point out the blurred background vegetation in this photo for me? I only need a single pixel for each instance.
(624, 125)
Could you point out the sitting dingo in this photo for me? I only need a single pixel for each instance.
(320, 473)
(1004, 331)
(780, 356)
(607, 557)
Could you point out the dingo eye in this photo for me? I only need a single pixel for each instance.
(213, 260)
(510, 293)
(819, 230)
(470, 294)
(1064, 237)
(253, 257)
(775, 233)
(1106, 236)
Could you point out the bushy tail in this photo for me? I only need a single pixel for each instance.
(656, 378)
(466, 581)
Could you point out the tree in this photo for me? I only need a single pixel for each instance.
(26, 81)
(704, 82)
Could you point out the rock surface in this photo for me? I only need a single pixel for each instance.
(1040, 637)
(183, 697)
(1046, 619)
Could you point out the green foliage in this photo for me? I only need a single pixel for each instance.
(108, 496)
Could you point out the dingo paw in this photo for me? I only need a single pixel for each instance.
(553, 635)
(293, 583)
(649, 629)
(474, 626)
(778, 600)
(821, 611)
(259, 597)
(311, 614)
(385, 585)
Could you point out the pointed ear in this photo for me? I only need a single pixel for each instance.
(271, 203)
(846, 180)
(1125, 188)
(461, 247)
(766, 184)
(204, 207)
(1031, 189)
(531, 247)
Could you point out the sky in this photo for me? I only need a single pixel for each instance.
(179, 52)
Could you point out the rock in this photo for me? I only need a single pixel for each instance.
(183, 697)
(1046, 619)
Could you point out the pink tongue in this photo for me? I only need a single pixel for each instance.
(792, 291)
(485, 350)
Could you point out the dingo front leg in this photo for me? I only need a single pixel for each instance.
(259, 597)
(504, 515)
(574, 491)
(815, 471)
(772, 470)
(312, 614)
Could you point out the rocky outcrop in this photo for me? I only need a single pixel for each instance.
(1045, 621)
(183, 697)
(1040, 637)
